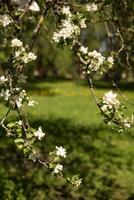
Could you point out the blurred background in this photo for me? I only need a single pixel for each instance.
(66, 111)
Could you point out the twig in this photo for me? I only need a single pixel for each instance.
(4, 118)
(25, 10)
(38, 27)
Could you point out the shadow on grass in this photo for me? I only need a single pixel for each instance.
(93, 151)
(52, 79)
(122, 85)
(108, 85)
(62, 131)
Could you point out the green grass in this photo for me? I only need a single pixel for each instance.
(68, 100)
(69, 116)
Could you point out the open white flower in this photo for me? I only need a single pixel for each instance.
(83, 23)
(31, 103)
(91, 7)
(5, 20)
(20, 122)
(110, 60)
(28, 57)
(78, 182)
(110, 99)
(39, 133)
(58, 168)
(3, 79)
(127, 123)
(67, 31)
(5, 94)
(16, 43)
(19, 102)
(66, 11)
(60, 151)
(34, 7)
(83, 50)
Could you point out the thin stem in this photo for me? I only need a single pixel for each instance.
(5, 117)
(25, 11)
(39, 25)
(90, 83)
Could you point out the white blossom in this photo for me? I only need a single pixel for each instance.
(58, 168)
(110, 60)
(110, 99)
(31, 103)
(29, 57)
(78, 182)
(19, 102)
(97, 55)
(60, 151)
(91, 7)
(39, 133)
(22, 55)
(16, 43)
(34, 7)
(5, 94)
(83, 23)
(21, 98)
(127, 123)
(104, 108)
(3, 79)
(95, 60)
(20, 122)
(66, 11)
(5, 20)
(67, 31)
(83, 50)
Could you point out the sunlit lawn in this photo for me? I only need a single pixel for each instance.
(69, 100)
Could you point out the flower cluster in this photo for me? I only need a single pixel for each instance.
(3, 79)
(91, 7)
(68, 31)
(21, 97)
(56, 155)
(110, 101)
(57, 167)
(112, 111)
(75, 180)
(21, 55)
(5, 94)
(93, 62)
(5, 20)
(69, 28)
(15, 97)
(24, 142)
